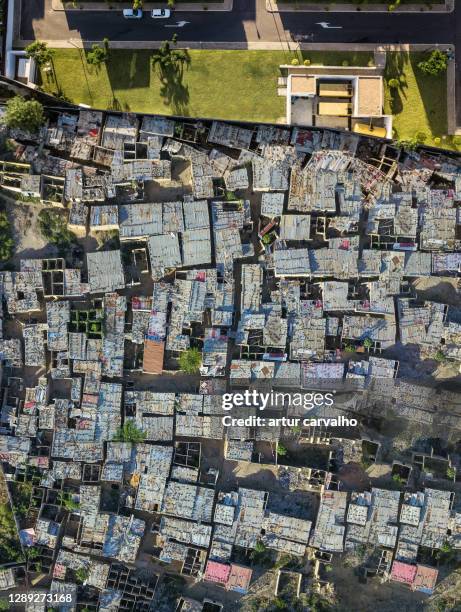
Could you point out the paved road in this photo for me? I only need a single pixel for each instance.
(248, 22)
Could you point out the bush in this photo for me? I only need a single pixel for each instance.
(307, 62)
(190, 361)
(436, 63)
(295, 62)
(266, 239)
(24, 114)
(420, 137)
(345, 63)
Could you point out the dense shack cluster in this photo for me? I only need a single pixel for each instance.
(200, 258)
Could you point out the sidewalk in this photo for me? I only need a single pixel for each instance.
(59, 5)
(255, 46)
(300, 6)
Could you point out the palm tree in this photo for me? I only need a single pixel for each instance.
(98, 54)
(170, 60)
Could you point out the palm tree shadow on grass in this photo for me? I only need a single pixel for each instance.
(170, 64)
(395, 70)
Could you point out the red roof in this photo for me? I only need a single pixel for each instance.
(426, 578)
(239, 578)
(217, 572)
(403, 572)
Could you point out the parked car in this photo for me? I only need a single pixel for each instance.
(160, 13)
(132, 13)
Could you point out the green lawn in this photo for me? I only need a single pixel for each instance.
(362, 5)
(222, 84)
(241, 85)
(419, 105)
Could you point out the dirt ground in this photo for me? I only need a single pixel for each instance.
(26, 233)
(243, 474)
(438, 288)
(353, 595)
(447, 595)
(353, 477)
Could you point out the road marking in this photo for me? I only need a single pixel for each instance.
(327, 26)
(179, 24)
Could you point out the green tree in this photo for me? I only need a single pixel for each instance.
(10, 549)
(368, 343)
(281, 450)
(260, 555)
(451, 473)
(33, 553)
(67, 501)
(446, 554)
(39, 51)
(440, 356)
(190, 361)
(24, 114)
(53, 227)
(81, 574)
(6, 238)
(99, 54)
(128, 432)
(436, 63)
(393, 83)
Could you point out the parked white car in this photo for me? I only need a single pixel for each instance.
(132, 13)
(160, 13)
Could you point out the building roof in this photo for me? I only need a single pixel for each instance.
(105, 271)
(403, 572)
(239, 578)
(153, 356)
(303, 84)
(369, 96)
(425, 578)
(217, 572)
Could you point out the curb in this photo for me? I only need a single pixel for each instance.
(239, 46)
(60, 5)
(272, 6)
